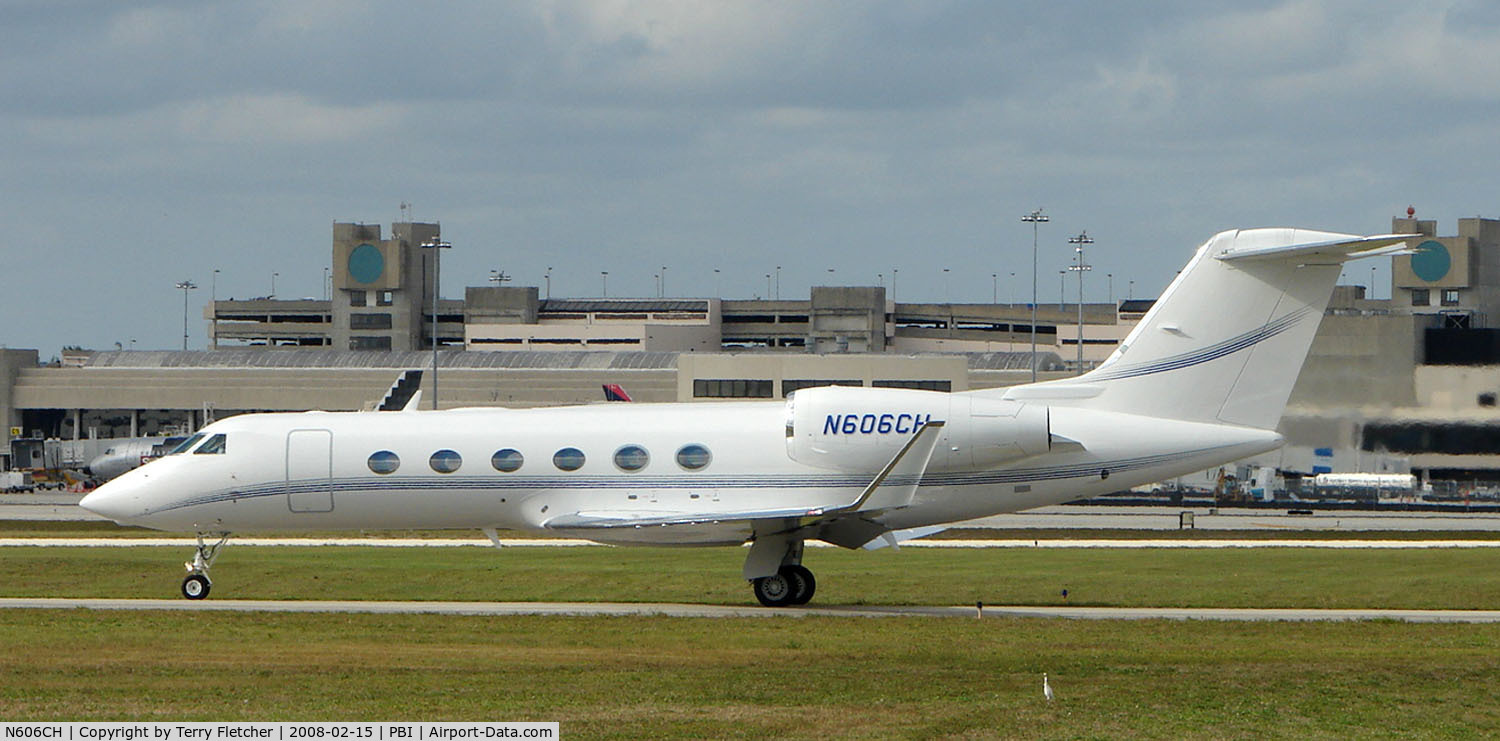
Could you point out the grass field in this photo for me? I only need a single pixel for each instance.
(756, 678)
(814, 677)
(1260, 577)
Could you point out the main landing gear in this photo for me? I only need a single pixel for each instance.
(196, 584)
(792, 584)
(775, 571)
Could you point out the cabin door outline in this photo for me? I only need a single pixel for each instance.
(309, 470)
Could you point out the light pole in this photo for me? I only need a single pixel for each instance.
(273, 284)
(1082, 267)
(213, 307)
(326, 284)
(1372, 283)
(947, 287)
(768, 285)
(718, 285)
(1062, 287)
(1111, 277)
(994, 288)
(1012, 286)
(778, 283)
(894, 271)
(604, 283)
(437, 246)
(548, 278)
(1130, 295)
(663, 281)
(185, 285)
(1034, 218)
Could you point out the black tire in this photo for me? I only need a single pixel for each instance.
(773, 591)
(802, 581)
(195, 586)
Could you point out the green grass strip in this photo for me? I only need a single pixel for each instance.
(755, 678)
(1239, 577)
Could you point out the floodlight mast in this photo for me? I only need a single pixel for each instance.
(437, 246)
(185, 286)
(1078, 243)
(1034, 218)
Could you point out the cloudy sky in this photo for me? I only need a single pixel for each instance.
(146, 143)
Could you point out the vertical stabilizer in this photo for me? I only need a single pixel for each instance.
(401, 392)
(1226, 340)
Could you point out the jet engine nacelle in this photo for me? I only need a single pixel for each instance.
(861, 429)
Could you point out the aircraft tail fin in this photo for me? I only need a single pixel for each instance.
(1226, 340)
(401, 393)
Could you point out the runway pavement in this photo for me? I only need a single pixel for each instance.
(312, 542)
(733, 611)
(63, 506)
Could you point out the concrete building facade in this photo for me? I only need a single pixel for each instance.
(382, 301)
(1408, 383)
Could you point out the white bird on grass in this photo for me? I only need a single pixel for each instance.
(1046, 687)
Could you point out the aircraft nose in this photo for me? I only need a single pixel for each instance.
(112, 501)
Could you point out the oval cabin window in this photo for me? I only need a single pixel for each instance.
(568, 459)
(508, 460)
(384, 462)
(445, 461)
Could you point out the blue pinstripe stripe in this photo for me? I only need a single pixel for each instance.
(1204, 355)
(699, 483)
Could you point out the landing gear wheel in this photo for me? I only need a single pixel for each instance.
(773, 591)
(195, 586)
(802, 581)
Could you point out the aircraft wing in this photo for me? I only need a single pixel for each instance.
(611, 519)
(894, 487)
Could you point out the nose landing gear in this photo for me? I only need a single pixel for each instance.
(196, 584)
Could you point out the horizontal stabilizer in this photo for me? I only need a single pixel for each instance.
(1331, 251)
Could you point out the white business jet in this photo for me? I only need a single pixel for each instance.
(1201, 381)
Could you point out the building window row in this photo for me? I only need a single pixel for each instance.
(629, 458)
(369, 321)
(1423, 297)
(370, 343)
(901, 383)
(788, 385)
(733, 388)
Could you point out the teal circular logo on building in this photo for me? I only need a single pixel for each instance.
(366, 263)
(1431, 261)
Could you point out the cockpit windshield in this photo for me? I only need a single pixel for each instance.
(187, 444)
(214, 446)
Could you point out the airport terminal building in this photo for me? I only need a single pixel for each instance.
(1407, 383)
